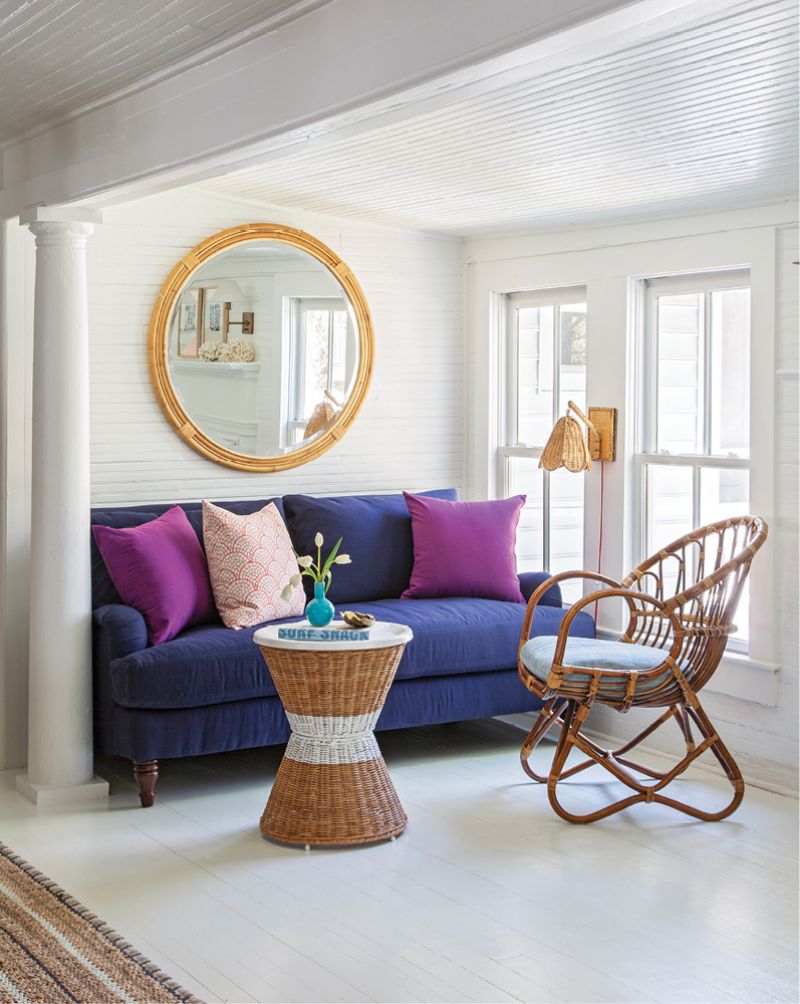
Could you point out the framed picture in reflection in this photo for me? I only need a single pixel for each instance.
(190, 323)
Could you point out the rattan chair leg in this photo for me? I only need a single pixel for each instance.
(549, 716)
(571, 738)
(677, 712)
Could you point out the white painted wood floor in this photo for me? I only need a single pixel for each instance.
(488, 896)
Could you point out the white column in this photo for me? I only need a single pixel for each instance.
(60, 761)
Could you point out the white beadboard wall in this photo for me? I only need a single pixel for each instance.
(409, 433)
(786, 526)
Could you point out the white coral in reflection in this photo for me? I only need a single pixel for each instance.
(241, 350)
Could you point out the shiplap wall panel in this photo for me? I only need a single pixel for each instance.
(787, 463)
(409, 433)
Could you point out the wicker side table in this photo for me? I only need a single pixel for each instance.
(332, 785)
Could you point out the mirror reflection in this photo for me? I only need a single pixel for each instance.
(263, 348)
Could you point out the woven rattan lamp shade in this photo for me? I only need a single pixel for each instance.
(566, 447)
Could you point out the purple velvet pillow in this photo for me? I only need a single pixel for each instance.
(464, 548)
(160, 569)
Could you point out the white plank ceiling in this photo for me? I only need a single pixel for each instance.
(58, 57)
(699, 120)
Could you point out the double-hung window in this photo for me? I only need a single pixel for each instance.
(544, 367)
(694, 459)
(318, 358)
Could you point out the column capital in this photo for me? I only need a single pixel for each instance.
(63, 226)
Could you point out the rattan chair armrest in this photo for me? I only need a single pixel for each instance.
(537, 595)
(631, 597)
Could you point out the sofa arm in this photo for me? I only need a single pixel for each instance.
(118, 631)
(530, 581)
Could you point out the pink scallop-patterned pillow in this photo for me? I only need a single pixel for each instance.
(250, 560)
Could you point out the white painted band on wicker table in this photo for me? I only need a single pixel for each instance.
(332, 786)
(330, 739)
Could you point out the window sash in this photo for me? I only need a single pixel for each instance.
(506, 454)
(697, 464)
(706, 283)
(701, 282)
(564, 296)
(298, 356)
(511, 448)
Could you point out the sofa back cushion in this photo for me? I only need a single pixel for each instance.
(377, 536)
(464, 548)
(159, 569)
(103, 589)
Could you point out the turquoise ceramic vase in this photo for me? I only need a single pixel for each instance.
(319, 611)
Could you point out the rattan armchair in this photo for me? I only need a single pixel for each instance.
(680, 603)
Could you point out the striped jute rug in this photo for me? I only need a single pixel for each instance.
(52, 949)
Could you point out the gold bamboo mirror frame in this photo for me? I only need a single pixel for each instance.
(178, 359)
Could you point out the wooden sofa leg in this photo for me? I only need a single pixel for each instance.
(146, 776)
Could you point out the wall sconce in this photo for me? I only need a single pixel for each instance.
(566, 446)
(247, 323)
(226, 291)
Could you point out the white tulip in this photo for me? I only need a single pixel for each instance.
(305, 561)
(342, 559)
(295, 581)
(286, 592)
(319, 540)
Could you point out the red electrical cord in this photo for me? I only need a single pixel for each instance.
(600, 542)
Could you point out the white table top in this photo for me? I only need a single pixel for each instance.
(382, 634)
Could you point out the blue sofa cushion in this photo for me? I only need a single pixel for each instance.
(213, 665)
(377, 536)
(465, 634)
(103, 589)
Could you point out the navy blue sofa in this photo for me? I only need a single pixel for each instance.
(208, 690)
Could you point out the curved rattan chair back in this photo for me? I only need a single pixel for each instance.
(700, 578)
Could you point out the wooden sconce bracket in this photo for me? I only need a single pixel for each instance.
(602, 426)
(603, 437)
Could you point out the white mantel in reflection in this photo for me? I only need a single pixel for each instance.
(223, 399)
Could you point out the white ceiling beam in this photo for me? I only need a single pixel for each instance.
(343, 67)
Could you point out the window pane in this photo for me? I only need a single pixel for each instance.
(726, 493)
(316, 326)
(525, 478)
(572, 332)
(534, 374)
(730, 372)
(680, 354)
(670, 504)
(338, 373)
(566, 529)
(670, 513)
(566, 521)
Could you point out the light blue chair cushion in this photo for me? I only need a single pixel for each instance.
(614, 657)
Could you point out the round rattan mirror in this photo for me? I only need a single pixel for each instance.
(261, 347)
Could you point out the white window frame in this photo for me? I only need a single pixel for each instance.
(647, 398)
(556, 297)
